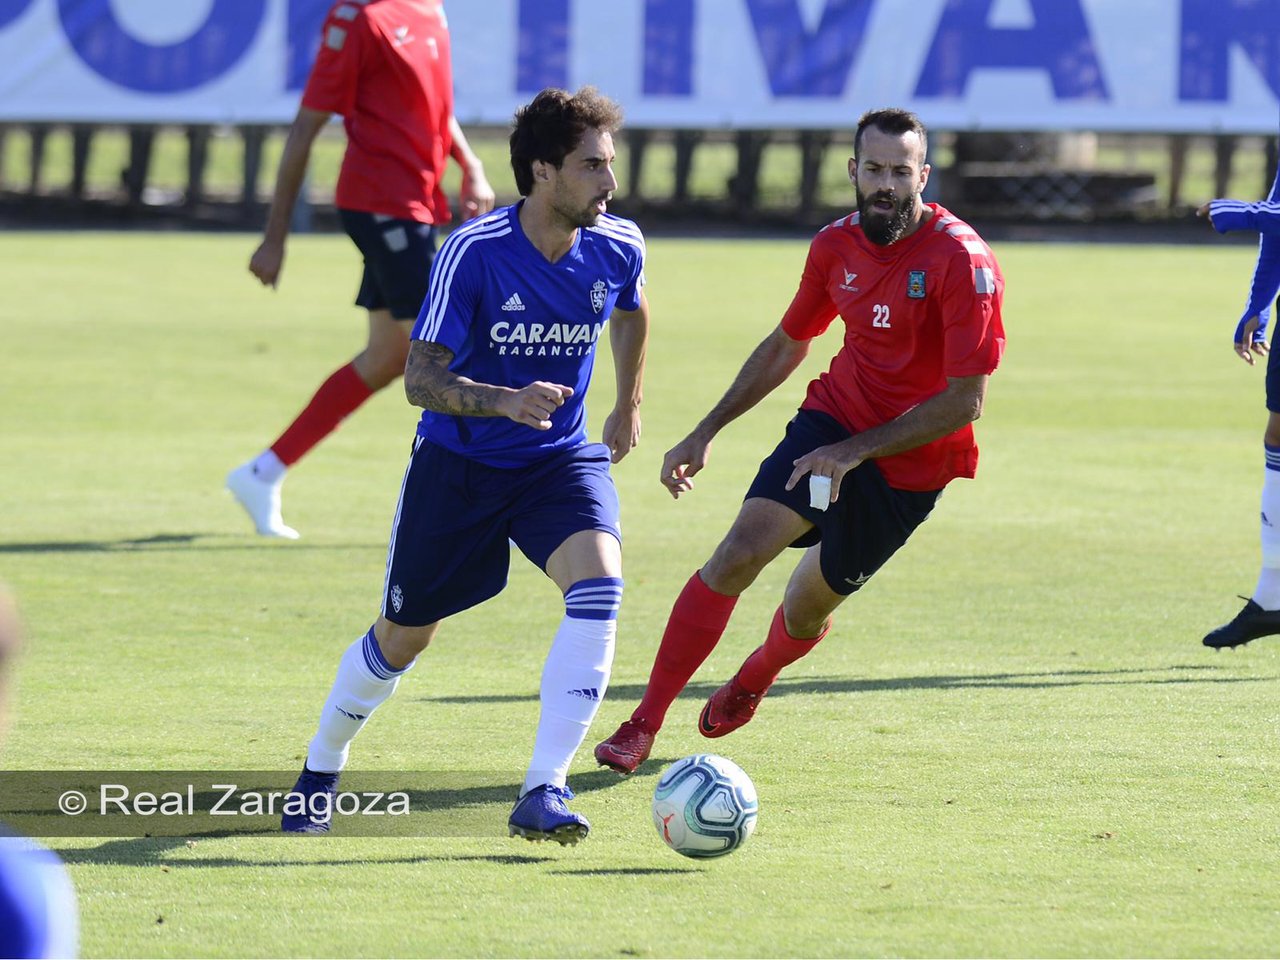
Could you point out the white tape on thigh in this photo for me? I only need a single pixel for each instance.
(819, 492)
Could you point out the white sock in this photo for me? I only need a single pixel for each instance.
(267, 466)
(1267, 593)
(574, 678)
(364, 680)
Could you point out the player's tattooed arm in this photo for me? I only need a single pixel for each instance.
(430, 384)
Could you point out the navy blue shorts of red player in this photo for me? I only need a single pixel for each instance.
(868, 522)
(397, 260)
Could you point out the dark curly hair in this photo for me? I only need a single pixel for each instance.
(551, 126)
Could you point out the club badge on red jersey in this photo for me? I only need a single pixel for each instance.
(915, 284)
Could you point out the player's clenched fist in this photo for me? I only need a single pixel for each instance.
(534, 404)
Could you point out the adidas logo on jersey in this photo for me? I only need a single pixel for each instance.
(513, 303)
(586, 693)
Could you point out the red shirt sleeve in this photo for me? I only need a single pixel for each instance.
(812, 309)
(973, 332)
(331, 88)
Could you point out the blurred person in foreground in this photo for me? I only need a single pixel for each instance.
(1260, 616)
(877, 438)
(501, 359)
(384, 65)
(38, 916)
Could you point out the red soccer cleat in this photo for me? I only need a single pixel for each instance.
(728, 708)
(627, 748)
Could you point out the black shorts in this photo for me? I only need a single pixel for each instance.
(864, 527)
(1273, 382)
(397, 261)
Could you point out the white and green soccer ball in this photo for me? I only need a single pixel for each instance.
(704, 806)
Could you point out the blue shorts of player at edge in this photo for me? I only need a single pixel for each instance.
(868, 522)
(451, 539)
(1273, 381)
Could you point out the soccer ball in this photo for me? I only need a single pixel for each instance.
(704, 806)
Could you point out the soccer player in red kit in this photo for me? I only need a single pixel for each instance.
(878, 437)
(384, 65)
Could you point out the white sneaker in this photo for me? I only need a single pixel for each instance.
(261, 500)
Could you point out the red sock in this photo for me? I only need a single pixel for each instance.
(336, 399)
(780, 649)
(697, 620)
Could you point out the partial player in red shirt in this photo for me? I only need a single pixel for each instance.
(384, 65)
(877, 437)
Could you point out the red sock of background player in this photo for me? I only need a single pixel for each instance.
(779, 649)
(336, 399)
(697, 621)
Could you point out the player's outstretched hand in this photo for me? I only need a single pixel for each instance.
(267, 262)
(1203, 211)
(1248, 334)
(682, 461)
(622, 431)
(833, 460)
(534, 404)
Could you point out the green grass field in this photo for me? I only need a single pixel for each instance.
(1012, 742)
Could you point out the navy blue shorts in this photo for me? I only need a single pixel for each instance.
(1273, 381)
(450, 545)
(864, 527)
(397, 261)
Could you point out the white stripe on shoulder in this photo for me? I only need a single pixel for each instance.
(620, 229)
(451, 254)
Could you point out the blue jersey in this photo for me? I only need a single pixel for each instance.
(38, 916)
(1265, 219)
(512, 317)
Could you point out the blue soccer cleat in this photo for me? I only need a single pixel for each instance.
(318, 791)
(542, 815)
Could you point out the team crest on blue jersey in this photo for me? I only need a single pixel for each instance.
(599, 292)
(915, 284)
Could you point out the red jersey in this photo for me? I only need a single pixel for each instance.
(385, 66)
(915, 312)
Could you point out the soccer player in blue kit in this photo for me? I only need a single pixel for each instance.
(38, 913)
(500, 360)
(1260, 616)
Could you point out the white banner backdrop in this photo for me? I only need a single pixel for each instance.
(1134, 65)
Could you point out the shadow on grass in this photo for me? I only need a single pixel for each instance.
(1038, 680)
(156, 852)
(164, 542)
(476, 808)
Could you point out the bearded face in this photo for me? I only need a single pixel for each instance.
(885, 217)
(584, 183)
(888, 174)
